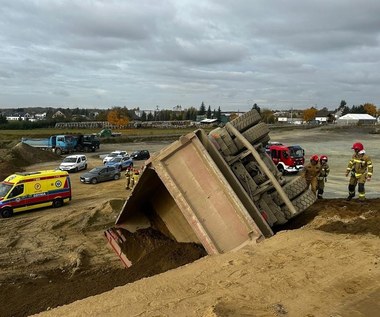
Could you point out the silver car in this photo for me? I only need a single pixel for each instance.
(100, 174)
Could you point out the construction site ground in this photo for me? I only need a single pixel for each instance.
(323, 263)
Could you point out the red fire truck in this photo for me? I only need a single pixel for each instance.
(288, 158)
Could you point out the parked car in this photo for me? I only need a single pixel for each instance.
(114, 154)
(140, 155)
(100, 174)
(74, 163)
(120, 162)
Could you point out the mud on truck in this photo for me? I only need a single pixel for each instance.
(219, 190)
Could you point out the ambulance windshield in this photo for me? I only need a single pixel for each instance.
(4, 189)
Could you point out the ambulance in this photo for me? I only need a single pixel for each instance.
(31, 190)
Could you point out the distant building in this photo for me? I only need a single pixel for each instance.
(356, 118)
(58, 114)
(287, 120)
(323, 116)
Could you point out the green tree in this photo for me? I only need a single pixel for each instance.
(208, 115)
(255, 106)
(219, 114)
(202, 109)
(3, 119)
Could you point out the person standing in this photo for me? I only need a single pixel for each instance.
(322, 178)
(128, 177)
(311, 173)
(360, 167)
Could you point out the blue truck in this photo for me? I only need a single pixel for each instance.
(59, 144)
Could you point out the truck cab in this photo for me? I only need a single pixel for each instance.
(288, 159)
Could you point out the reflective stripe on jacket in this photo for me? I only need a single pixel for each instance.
(360, 164)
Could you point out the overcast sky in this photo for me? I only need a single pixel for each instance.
(227, 53)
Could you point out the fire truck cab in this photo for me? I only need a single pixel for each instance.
(288, 159)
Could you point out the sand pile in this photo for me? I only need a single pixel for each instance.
(21, 155)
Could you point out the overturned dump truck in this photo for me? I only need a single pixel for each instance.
(219, 190)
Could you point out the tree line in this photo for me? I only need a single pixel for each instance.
(122, 115)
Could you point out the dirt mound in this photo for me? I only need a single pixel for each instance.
(24, 155)
(14, 159)
(340, 217)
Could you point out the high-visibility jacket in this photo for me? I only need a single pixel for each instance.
(359, 165)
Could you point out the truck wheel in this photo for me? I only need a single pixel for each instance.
(6, 213)
(75, 169)
(86, 149)
(246, 120)
(116, 177)
(224, 141)
(254, 134)
(58, 151)
(94, 180)
(301, 203)
(58, 202)
(292, 189)
(281, 168)
(259, 131)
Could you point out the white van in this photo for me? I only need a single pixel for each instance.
(74, 163)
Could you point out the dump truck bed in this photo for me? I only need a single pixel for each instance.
(183, 193)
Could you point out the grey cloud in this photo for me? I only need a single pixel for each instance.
(232, 53)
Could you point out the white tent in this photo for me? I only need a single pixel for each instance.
(356, 118)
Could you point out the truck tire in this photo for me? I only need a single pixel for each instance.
(253, 135)
(301, 203)
(58, 202)
(58, 151)
(246, 120)
(116, 177)
(259, 131)
(86, 149)
(6, 212)
(224, 141)
(281, 168)
(292, 189)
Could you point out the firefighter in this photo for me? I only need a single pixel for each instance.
(134, 178)
(128, 177)
(322, 178)
(361, 169)
(311, 173)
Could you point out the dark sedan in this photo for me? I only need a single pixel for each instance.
(140, 155)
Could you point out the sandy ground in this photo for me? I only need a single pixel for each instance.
(323, 263)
